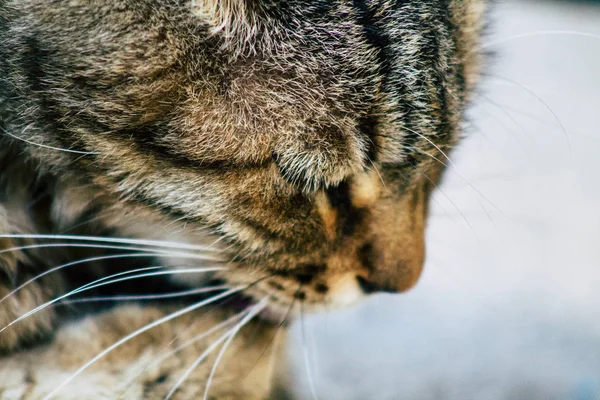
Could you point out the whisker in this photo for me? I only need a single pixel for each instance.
(45, 146)
(538, 33)
(529, 115)
(311, 383)
(441, 207)
(450, 165)
(104, 282)
(99, 258)
(508, 129)
(40, 307)
(273, 339)
(82, 261)
(254, 312)
(98, 246)
(275, 342)
(550, 110)
(490, 217)
(147, 242)
(202, 336)
(184, 345)
(433, 195)
(431, 142)
(97, 217)
(201, 358)
(464, 217)
(139, 331)
(170, 295)
(377, 172)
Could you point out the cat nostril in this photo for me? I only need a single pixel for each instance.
(305, 278)
(321, 288)
(366, 286)
(370, 287)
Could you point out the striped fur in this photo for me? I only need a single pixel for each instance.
(303, 136)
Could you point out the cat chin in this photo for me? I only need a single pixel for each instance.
(277, 315)
(283, 311)
(273, 313)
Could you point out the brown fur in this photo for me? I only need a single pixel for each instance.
(242, 374)
(301, 139)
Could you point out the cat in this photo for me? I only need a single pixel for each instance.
(180, 175)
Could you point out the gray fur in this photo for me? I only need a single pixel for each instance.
(304, 136)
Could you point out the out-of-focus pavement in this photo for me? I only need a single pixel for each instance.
(509, 303)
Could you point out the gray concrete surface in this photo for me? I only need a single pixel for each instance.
(509, 304)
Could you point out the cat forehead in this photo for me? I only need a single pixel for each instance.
(248, 17)
(322, 103)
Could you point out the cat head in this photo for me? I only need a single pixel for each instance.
(305, 136)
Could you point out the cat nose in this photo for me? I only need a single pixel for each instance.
(392, 277)
(370, 287)
(387, 284)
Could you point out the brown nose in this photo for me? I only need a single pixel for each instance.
(391, 271)
(403, 279)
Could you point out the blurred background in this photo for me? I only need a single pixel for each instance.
(508, 306)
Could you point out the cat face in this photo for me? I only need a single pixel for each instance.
(305, 136)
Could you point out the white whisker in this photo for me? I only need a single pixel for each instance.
(546, 106)
(104, 282)
(227, 336)
(201, 358)
(45, 146)
(205, 354)
(430, 142)
(140, 331)
(102, 258)
(254, 312)
(101, 246)
(311, 383)
(378, 174)
(147, 296)
(501, 123)
(437, 188)
(82, 261)
(451, 166)
(275, 346)
(195, 339)
(185, 344)
(40, 307)
(147, 242)
(538, 33)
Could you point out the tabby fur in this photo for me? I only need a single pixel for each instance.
(298, 139)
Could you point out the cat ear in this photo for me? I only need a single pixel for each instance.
(320, 157)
